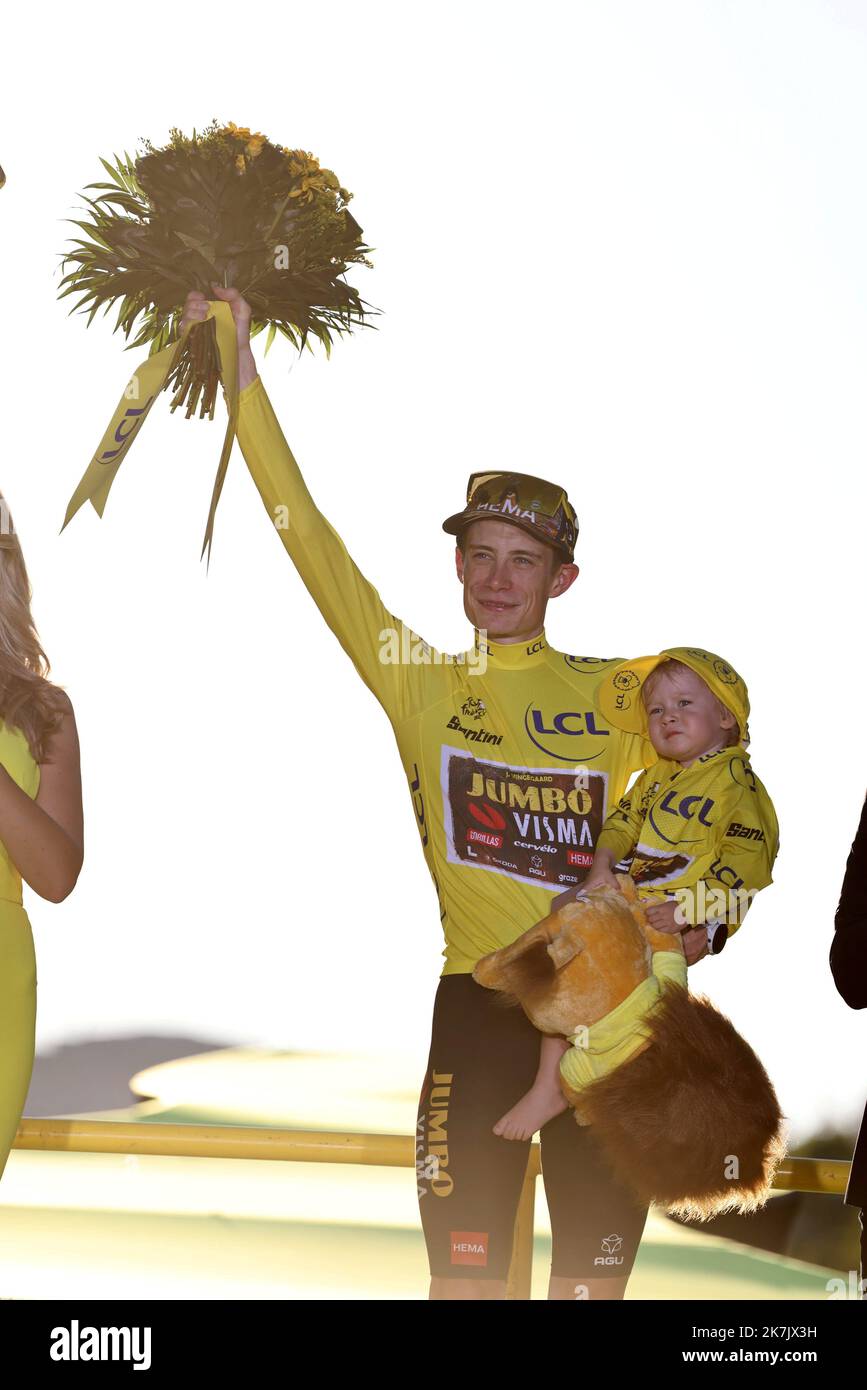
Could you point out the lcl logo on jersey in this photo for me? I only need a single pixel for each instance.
(688, 808)
(591, 664)
(567, 735)
(726, 874)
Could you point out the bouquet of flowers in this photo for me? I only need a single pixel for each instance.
(227, 207)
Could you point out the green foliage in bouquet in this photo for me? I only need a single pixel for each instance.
(227, 207)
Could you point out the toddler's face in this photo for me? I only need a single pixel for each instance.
(684, 717)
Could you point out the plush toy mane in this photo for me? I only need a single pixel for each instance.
(668, 1101)
(690, 1121)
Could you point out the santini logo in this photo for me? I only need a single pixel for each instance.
(75, 1343)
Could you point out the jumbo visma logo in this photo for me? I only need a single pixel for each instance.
(571, 736)
(693, 809)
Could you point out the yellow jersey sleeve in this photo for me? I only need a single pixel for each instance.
(743, 859)
(378, 644)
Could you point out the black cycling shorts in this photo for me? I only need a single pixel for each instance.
(483, 1057)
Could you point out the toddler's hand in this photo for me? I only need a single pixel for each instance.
(664, 916)
(601, 878)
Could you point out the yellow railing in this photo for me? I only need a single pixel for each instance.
(314, 1146)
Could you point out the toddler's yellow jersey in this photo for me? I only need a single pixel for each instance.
(710, 828)
(511, 768)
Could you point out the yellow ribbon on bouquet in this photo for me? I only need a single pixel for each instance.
(141, 391)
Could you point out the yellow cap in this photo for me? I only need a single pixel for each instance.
(620, 699)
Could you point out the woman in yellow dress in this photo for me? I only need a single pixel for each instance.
(41, 820)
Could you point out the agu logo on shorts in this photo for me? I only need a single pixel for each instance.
(611, 1246)
(469, 1247)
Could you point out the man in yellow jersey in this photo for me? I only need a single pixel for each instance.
(511, 770)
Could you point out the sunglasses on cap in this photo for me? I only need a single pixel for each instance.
(539, 507)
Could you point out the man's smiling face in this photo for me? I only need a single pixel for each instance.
(508, 577)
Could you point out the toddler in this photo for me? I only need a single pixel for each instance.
(697, 831)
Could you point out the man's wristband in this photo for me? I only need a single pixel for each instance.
(717, 936)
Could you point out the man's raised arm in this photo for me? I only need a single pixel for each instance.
(347, 601)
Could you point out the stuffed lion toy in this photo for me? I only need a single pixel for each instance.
(680, 1102)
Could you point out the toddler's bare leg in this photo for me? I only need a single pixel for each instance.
(544, 1099)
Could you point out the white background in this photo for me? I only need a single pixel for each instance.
(621, 245)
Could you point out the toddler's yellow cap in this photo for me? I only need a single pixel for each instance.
(619, 693)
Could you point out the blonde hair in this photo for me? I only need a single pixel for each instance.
(671, 667)
(28, 701)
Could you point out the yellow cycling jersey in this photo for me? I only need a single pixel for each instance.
(710, 829)
(511, 767)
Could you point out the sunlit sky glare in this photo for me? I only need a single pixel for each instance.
(622, 246)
